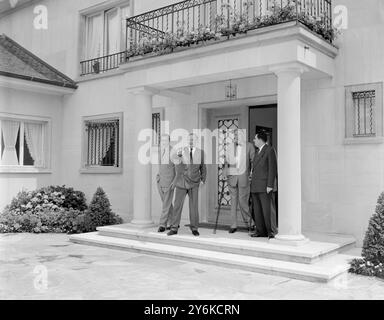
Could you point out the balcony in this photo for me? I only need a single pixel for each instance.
(194, 23)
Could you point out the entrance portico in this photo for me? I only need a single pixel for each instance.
(291, 53)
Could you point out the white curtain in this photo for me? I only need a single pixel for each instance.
(112, 26)
(10, 130)
(125, 13)
(95, 36)
(34, 141)
(101, 138)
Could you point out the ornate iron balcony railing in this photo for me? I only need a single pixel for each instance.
(191, 22)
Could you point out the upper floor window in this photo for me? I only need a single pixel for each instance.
(105, 30)
(24, 143)
(364, 112)
(102, 143)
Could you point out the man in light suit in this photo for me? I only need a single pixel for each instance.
(165, 181)
(191, 171)
(237, 172)
(262, 184)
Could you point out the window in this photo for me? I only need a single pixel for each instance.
(364, 107)
(102, 145)
(105, 30)
(156, 127)
(23, 143)
(157, 118)
(364, 104)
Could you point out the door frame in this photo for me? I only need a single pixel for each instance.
(203, 108)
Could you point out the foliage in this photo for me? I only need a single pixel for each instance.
(56, 210)
(45, 221)
(230, 24)
(100, 212)
(52, 198)
(372, 263)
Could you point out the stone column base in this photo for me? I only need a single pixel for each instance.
(294, 241)
(140, 224)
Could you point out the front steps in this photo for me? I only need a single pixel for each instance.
(318, 261)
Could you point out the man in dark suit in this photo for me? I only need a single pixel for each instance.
(262, 184)
(190, 172)
(165, 181)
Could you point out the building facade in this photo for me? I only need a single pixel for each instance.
(321, 101)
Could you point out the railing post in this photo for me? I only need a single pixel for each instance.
(126, 41)
(297, 11)
(330, 14)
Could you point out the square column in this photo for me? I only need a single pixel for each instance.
(289, 153)
(142, 171)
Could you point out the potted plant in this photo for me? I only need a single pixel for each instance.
(96, 67)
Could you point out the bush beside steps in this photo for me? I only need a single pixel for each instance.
(372, 263)
(57, 209)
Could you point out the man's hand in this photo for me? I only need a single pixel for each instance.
(173, 185)
(269, 190)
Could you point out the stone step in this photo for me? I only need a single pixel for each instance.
(239, 243)
(321, 271)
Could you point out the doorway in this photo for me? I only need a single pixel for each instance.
(263, 119)
(253, 119)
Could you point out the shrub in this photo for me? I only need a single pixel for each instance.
(372, 263)
(100, 212)
(57, 210)
(45, 221)
(53, 198)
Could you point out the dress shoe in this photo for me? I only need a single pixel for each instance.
(161, 229)
(232, 230)
(255, 235)
(271, 236)
(195, 233)
(172, 233)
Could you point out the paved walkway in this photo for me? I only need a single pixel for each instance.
(51, 267)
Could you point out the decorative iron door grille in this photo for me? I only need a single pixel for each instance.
(226, 128)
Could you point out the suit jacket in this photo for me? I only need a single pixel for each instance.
(189, 175)
(167, 171)
(234, 176)
(264, 170)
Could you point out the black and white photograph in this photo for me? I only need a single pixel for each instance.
(196, 150)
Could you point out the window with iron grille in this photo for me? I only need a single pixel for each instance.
(103, 143)
(364, 113)
(156, 128)
(364, 106)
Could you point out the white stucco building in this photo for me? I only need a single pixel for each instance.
(322, 101)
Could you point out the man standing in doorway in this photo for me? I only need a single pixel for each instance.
(238, 167)
(191, 171)
(165, 181)
(262, 184)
